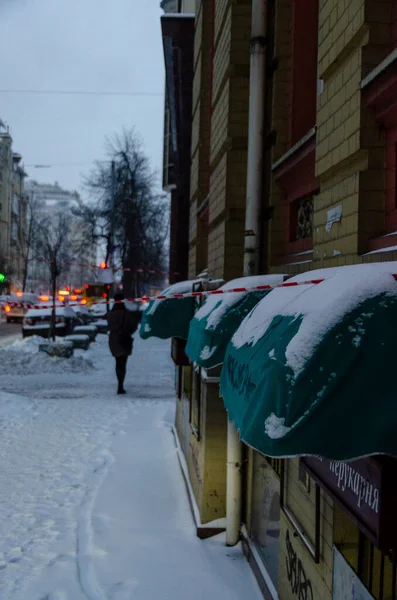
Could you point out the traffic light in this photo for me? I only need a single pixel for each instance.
(103, 265)
(2, 277)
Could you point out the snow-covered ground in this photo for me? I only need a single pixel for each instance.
(92, 501)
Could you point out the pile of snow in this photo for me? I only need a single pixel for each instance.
(322, 306)
(182, 287)
(23, 358)
(216, 306)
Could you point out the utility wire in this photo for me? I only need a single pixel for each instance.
(49, 166)
(80, 93)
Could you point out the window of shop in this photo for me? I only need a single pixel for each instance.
(300, 501)
(265, 513)
(376, 569)
(187, 381)
(275, 463)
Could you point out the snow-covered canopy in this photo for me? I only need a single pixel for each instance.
(216, 306)
(182, 287)
(321, 305)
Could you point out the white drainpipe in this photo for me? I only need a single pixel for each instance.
(251, 241)
(255, 139)
(233, 486)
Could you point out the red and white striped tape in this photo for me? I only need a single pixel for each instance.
(201, 294)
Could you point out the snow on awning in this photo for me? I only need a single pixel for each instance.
(169, 318)
(214, 324)
(310, 371)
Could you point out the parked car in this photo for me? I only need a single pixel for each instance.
(83, 314)
(100, 309)
(3, 302)
(15, 312)
(37, 321)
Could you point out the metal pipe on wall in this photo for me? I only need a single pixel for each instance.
(255, 139)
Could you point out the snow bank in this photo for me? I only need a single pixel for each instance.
(322, 306)
(216, 306)
(23, 358)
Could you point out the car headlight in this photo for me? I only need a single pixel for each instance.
(28, 321)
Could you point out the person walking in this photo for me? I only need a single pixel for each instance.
(122, 323)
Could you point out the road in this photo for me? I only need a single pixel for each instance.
(9, 331)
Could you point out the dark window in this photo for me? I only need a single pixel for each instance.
(301, 219)
(376, 569)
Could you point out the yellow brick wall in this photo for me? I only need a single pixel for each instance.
(229, 132)
(193, 221)
(194, 175)
(301, 503)
(220, 122)
(201, 118)
(214, 439)
(350, 162)
(218, 190)
(192, 261)
(216, 250)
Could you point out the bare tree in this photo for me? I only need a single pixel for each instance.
(29, 235)
(128, 217)
(52, 247)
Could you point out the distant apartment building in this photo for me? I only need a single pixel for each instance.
(13, 213)
(50, 200)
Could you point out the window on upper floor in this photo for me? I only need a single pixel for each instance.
(301, 219)
(303, 68)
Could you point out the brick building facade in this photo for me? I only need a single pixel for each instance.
(329, 200)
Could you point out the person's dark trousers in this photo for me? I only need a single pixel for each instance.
(121, 368)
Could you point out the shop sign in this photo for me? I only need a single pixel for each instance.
(366, 489)
(346, 584)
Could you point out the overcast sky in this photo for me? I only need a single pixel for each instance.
(81, 45)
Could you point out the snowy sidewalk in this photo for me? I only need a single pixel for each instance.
(92, 500)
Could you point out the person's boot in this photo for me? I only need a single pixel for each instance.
(120, 389)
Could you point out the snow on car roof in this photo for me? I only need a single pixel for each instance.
(24, 298)
(60, 311)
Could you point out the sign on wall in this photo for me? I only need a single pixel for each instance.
(366, 489)
(346, 584)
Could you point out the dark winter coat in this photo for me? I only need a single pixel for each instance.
(122, 323)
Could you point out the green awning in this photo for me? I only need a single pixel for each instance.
(214, 324)
(169, 318)
(311, 370)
